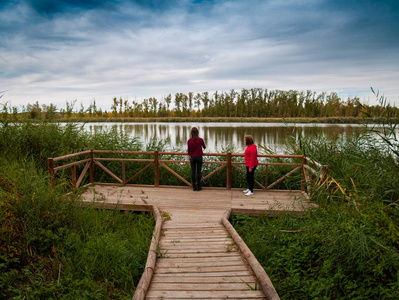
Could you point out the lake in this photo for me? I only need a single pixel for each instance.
(218, 136)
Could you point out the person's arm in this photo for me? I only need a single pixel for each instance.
(203, 144)
(188, 149)
(253, 158)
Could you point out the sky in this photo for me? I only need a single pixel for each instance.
(57, 51)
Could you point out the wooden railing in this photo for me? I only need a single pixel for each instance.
(309, 169)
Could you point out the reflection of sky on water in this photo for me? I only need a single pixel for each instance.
(218, 136)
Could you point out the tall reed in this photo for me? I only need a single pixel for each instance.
(347, 248)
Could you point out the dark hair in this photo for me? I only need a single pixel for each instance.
(249, 140)
(194, 133)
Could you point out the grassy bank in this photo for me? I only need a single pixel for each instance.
(51, 247)
(329, 120)
(348, 247)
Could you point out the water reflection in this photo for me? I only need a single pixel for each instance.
(218, 136)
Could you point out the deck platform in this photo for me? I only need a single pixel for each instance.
(197, 257)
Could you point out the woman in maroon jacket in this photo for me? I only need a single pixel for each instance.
(195, 145)
(251, 161)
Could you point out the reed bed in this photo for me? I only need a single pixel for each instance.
(50, 246)
(347, 248)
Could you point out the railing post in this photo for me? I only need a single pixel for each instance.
(91, 166)
(123, 173)
(156, 168)
(303, 181)
(266, 177)
(228, 175)
(73, 171)
(50, 166)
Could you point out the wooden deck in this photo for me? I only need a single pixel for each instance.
(197, 258)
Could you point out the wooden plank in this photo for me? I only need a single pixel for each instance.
(198, 248)
(203, 279)
(198, 244)
(122, 152)
(270, 213)
(191, 240)
(199, 269)
(238, 286)
(217, 254)
(204, 294)
(166, 252)
(208, 274)
(200, 259)
(165, 263)
(71, 155)
(71, 164)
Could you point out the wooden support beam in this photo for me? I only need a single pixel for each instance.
(80, 179)
(258, 183)
(213, 172)
(108, 171)
(139, 172)
(264, 280)
(145, 279)
(284, 177)
(174, 173)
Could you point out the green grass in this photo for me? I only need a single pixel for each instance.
(347, 248)
(50, 246)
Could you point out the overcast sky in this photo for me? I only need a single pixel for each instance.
(56, 51)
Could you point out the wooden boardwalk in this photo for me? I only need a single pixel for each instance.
(197, 258)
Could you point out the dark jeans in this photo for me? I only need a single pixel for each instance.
(251, 179)
(196, 165)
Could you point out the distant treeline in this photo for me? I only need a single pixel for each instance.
(248, 103)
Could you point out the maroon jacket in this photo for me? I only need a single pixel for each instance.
(195, 147)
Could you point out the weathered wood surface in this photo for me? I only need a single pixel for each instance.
(197, 258)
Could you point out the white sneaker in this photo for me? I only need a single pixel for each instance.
(245, 191)
(249, 193)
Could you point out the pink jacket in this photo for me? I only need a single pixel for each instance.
(251, 156)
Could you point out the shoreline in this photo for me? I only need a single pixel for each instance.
(324, 120)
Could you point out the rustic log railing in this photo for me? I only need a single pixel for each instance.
(307, 167)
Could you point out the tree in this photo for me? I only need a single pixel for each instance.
(205, 101)
(153, 104)
(34, 110)
(168, 100)
(50, 111)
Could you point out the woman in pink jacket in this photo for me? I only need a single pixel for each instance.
(251, 161)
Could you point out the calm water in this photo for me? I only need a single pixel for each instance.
(218, 136)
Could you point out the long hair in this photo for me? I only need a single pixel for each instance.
(194, 133)
(249, 140)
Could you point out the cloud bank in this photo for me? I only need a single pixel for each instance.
(56, 51)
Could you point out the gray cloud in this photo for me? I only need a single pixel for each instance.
(54, 51)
